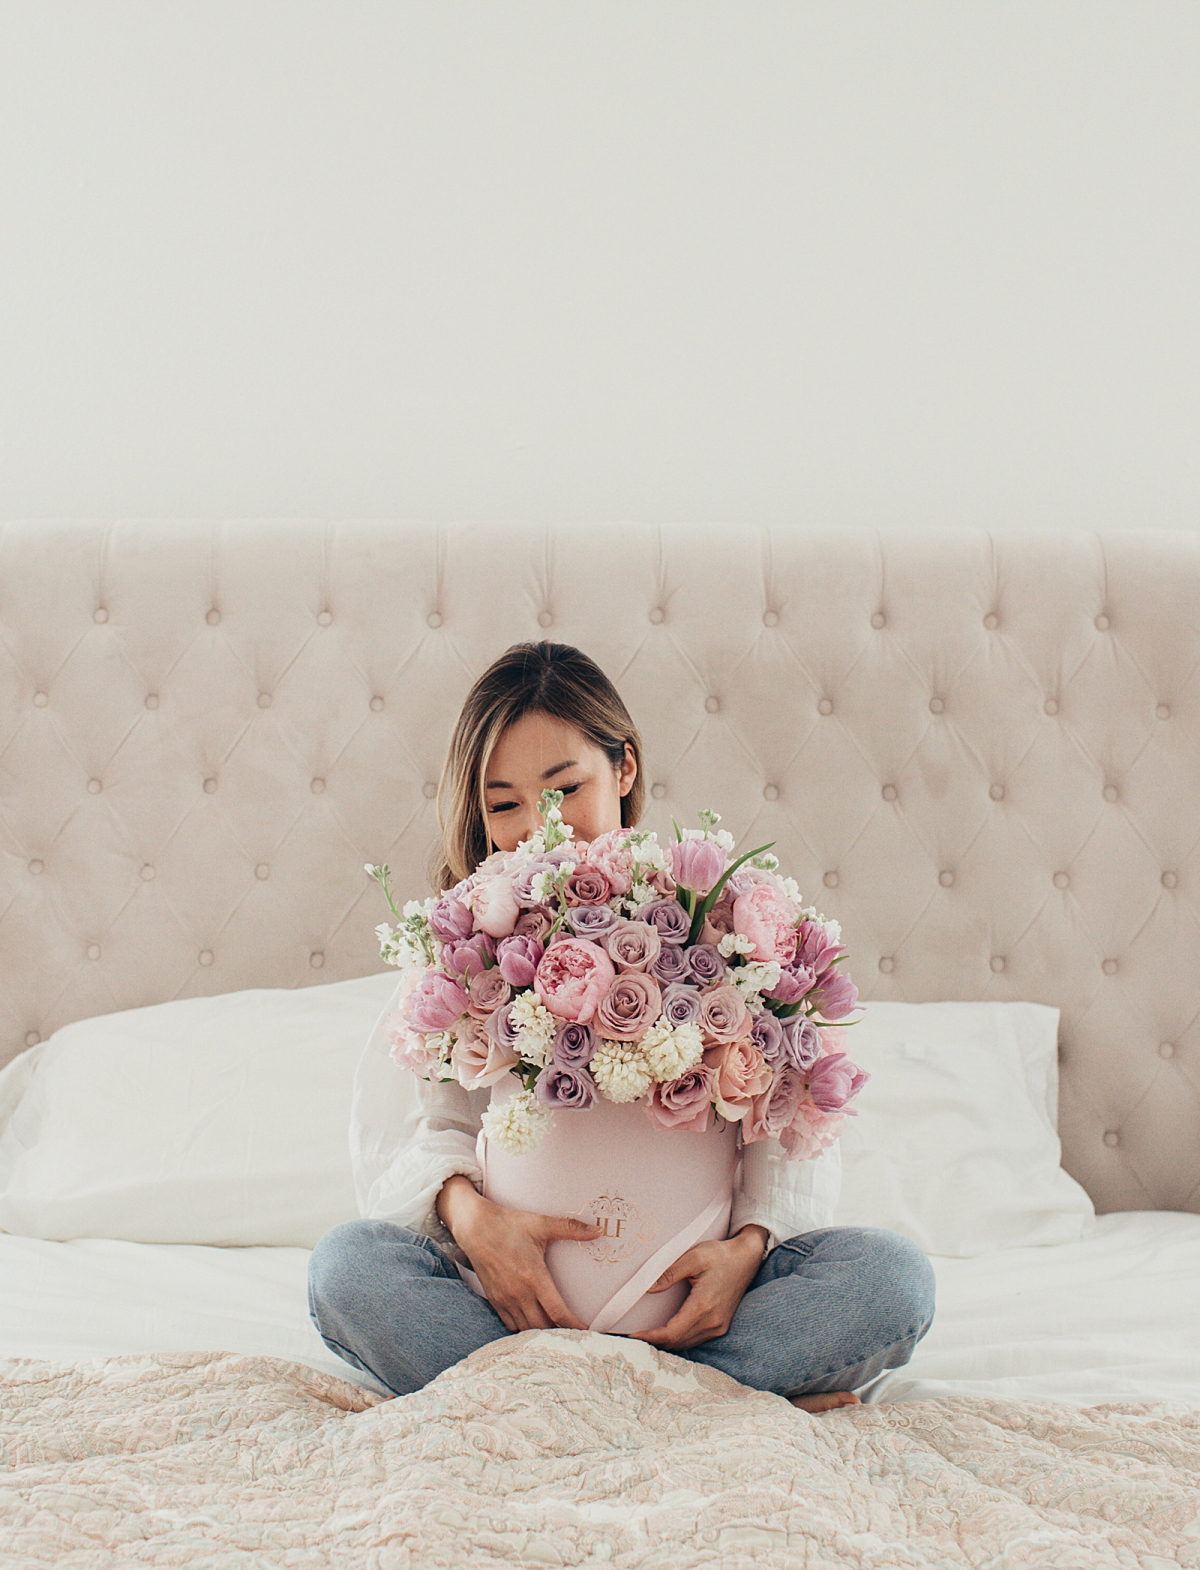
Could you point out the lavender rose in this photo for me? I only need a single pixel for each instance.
(775, 1109)
(517, 959)
(684, 1103)
(629, 1007)
(592, 921)
(487, 992)
(801, 1043)
(835, 995)
(574, 1045)
(523, 884)
(668, 918)
(437, 1003)
(681, 1004)
(633, 944)
(572, 1088)
(587, 886)
(705, 964)
(671, 964)
(450, 919)
(501, 1029)
(466, 957)
(697, 864)
(767, 1035)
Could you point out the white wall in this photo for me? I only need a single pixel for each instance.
(929, 260)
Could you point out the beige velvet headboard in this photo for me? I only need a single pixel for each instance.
(980, 752)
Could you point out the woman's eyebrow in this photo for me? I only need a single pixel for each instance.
(549, 774)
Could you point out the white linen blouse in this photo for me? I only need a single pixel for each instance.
(408, 1135)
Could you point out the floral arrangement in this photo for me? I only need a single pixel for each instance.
(640, 972)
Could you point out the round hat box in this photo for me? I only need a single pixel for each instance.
(655, 1192)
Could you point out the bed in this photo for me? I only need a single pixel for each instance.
(983, 753)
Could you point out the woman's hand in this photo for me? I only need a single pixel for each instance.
(507, 1250)
(719, 1273)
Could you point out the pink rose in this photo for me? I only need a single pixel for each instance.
(765, 916)
(438, 1002)
(684, 1103)
(775, 1108)
(572, 977)
(478, 1058)
(607, 853)
(629, 1007)
(633, 944)
(494, 906)
(724, 1016)
(740, 1073)
(487, 992)
(534, 923)
(834, 1081)
(697, 864)
(587, 886)
(718, 922)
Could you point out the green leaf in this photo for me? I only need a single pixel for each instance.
(678, 832)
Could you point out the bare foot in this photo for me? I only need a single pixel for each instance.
(825, 1402)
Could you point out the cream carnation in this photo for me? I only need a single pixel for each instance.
(671, 1050)
(519, 1125)
(620, 1070)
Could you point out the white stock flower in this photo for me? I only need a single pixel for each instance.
(535, 1027)
(758, 976)
(518, 1126)
(640, 894)
(833, 931)
(734, 943)
(671, 1050)
(723, 838)
(620, 1070)
(539, 887)
(791, 889)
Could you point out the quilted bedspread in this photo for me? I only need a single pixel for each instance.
(566, 1448)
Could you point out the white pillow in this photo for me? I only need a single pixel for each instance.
(955, 1143)
(207, 1120)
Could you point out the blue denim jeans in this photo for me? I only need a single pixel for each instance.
(828, 1310)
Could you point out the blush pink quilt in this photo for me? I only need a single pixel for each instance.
(564, 1448)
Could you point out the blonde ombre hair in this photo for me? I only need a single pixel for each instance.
(546, 678)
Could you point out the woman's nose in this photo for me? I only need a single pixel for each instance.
(525, 823)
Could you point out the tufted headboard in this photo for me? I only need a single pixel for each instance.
(980, 752)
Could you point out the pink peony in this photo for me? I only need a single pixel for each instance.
(632, 945)
(608, 855)
(486, 993)
(810, 1132)
(684, 1103)
(765, 916)
(740, 1072)
(724, 1016)
(697, 864)
(437, 1003)
(572, 977)
(409, 1047)
(494, 906)
(834, 1081)
(478, 1058)
(629, 1007)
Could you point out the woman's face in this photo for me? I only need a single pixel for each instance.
(538, 753)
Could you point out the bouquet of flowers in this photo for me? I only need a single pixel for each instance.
(632, 970)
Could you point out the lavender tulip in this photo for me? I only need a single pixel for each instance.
(697, 864)
(517, 958)
(835, 995)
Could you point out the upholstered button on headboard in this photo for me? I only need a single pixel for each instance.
(980, 752)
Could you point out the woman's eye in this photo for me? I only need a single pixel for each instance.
(507, 806)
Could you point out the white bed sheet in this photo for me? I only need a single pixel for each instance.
(1114, 1317)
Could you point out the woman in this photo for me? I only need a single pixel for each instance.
(786, 1302)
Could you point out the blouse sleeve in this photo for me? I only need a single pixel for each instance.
(787, 1197)
(407, 1136)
